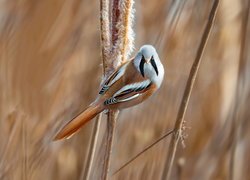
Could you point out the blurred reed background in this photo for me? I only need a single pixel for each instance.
(50, 69)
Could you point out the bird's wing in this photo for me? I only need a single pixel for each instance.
(129, 92)
(115, 76)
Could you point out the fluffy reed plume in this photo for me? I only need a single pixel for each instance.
(50, 70)
(105, 34)
(122, 47)
(116, 46)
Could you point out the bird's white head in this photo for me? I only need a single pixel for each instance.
(149, 65)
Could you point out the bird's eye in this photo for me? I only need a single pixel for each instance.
(152, 61)
(142, 65)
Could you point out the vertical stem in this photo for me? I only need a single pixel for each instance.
(186, 96)
(24, 150)
(92, 148)
(105, 51)
(115, 39)
(111, 119)
(112, 116)
(105, 35)
(115, 17)
(121, 42)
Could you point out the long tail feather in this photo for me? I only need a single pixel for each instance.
(76, 123)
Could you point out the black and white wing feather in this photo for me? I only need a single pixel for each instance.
(128, 92)
(113, 78)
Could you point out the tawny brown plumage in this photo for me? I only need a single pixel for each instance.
(130, 96)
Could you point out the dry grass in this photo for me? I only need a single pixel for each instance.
(179, 128)
(50, 70)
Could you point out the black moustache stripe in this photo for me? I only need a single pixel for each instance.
(142, 66)
(152, 61)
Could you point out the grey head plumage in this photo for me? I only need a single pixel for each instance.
(149, 65)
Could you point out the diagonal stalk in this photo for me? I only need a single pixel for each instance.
(143, 151)
(186, 96)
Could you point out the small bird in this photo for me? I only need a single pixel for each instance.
(132, 83)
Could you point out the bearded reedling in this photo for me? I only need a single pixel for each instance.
(132, 83)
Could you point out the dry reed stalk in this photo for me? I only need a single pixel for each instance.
(116, 44)
(124, 26)
(143, 151)
(24, 150)
(105, 35)
(112, 117)
(122, 32)
(175, 12)
(105, 52)
(178, 129)
(92, 148)
(236, 123)
(122, 45)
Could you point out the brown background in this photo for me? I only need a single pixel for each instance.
(50, 69)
